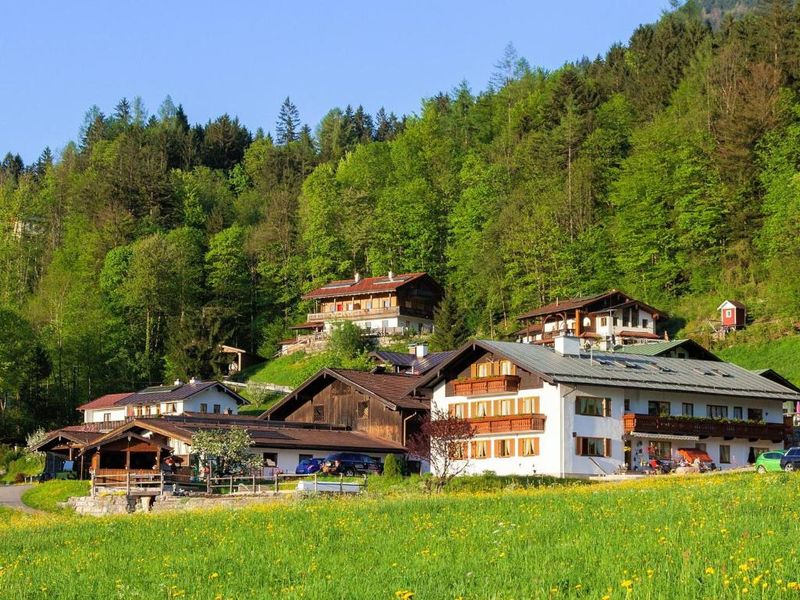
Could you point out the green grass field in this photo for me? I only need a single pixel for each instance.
(780, 354)
(46, 496)
(728, 536)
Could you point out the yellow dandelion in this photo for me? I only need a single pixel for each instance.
(710, 570)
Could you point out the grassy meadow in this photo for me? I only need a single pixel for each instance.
(728, 536)
(780, 354)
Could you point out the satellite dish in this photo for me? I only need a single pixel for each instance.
(587, 321)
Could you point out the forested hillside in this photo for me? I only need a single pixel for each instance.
(667, 168)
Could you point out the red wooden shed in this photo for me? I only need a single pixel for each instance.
(733, 314)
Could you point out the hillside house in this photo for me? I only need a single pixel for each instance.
(382, 405)
(566, 412)
(733, 315)
(380, 305)
(194, 396)
(604, 320)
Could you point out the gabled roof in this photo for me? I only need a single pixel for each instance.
(419, 366)
(574, 303)
(367, 285)
(626, 371)
(107, 401)
(773, 375)
(171, 393)
(731, 304)
(393, 390)
(263, 434)
(76, 436)
(663, 347)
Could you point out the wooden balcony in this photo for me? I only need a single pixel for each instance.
(703, 427)
(377, 312)
(508, 424)
(478, 386)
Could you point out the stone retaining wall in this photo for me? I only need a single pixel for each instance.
(104, 505)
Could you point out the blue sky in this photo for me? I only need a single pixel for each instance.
(58, 58)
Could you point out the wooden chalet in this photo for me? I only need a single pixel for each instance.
(382, 305)
(604, 320)
(381, 405)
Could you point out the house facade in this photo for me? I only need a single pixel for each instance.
(381, 305)
(194, 396)
(604, 320)
(382, 405)
(565, 412)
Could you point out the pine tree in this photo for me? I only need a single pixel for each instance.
(287, 129)
(122, 112)
(449, 329)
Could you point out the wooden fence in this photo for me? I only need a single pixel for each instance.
(145, 484)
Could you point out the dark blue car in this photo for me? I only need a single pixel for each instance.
(308, 466)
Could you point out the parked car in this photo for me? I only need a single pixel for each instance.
(791, 460)
(308, 466)
(344, 463)
(768, 461)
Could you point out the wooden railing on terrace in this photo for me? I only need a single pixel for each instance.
(704, 427)
(477, 386)
(508, 424)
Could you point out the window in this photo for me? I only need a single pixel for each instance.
(363, 409)
(603, 321)
(715, 411)
(737, 412)
(724, 454)
(645, 323)
(106, 417)
(507, 407)
(458, 410)
(661, 450)
(728, 312)
(217, 409)
(457, 450)
(386, 303)
(480, 409)
(203, 407)
(529, 405)
(627, 405)
(592, 407)
(658, 409)
(369, 304)
(270, 459)
(503, 448)
(172, 407)
(586, 446)
(529, 446)
(616, 321)
(759, 451)
(687, 409)
(506, 367)
(700, 446)
(755, 414)
(319, 414)
(138, 411)
(484, 370)
(480, 449)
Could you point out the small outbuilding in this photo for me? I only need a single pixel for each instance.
(733, 315)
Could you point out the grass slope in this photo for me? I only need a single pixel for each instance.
(291, 370)
(46, 496)
(780, 355)
(726, 536)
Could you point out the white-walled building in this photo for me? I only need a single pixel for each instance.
(567, 412)
(604, 320)
(195, 396)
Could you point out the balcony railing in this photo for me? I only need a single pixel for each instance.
(377, 312)
(508, 424)
(478, 386)
(703, 427)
